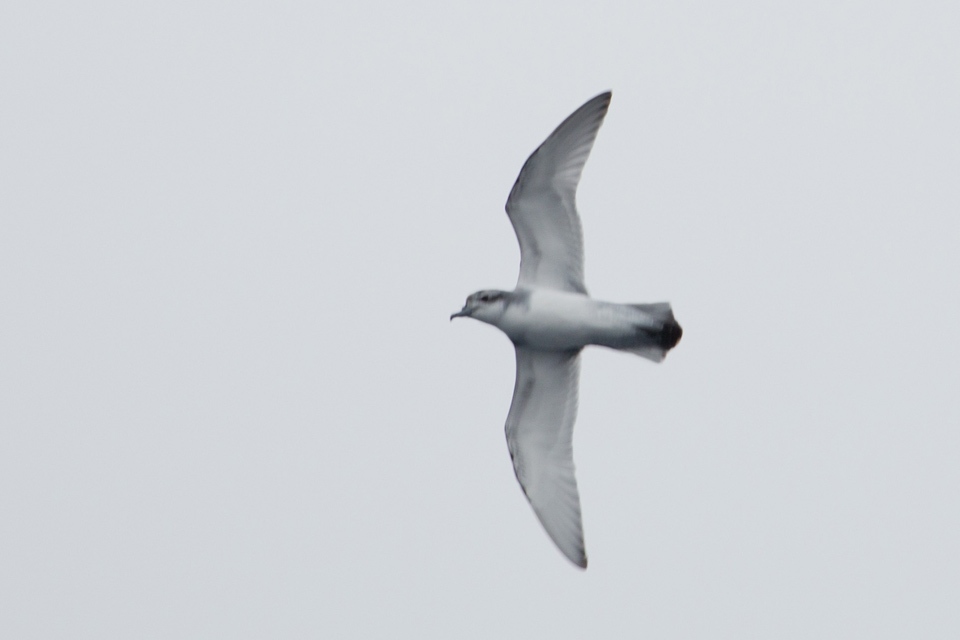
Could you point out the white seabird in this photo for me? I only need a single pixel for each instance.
(550, 318)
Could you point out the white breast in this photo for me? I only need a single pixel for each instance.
(548, 319)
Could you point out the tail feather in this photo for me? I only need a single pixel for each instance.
(654, 343)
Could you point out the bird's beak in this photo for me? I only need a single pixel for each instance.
(465, 312)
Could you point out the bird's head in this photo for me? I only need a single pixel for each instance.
(487, 306)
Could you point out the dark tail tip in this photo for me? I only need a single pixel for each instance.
(670, 335)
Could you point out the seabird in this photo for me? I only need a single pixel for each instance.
(550, 318)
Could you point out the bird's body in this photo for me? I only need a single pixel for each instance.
(550, 318)
(545, 319)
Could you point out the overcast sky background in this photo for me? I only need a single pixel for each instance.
(232, 404)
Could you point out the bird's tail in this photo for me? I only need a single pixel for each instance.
(654, 339)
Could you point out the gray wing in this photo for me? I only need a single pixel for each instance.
(542, 203)
(540, 439)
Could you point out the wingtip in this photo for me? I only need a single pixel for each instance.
(604, 97)
(578, 557)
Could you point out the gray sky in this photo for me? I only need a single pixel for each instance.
(233, 406)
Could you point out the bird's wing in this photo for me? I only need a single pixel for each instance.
(542, 203)
(539, 436)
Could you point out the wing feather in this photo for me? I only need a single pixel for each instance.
(540, 438)
(542, 204)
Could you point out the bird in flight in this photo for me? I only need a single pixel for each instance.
(550, 318)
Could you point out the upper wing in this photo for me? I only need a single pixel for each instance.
(542, 203)
(539, 436)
